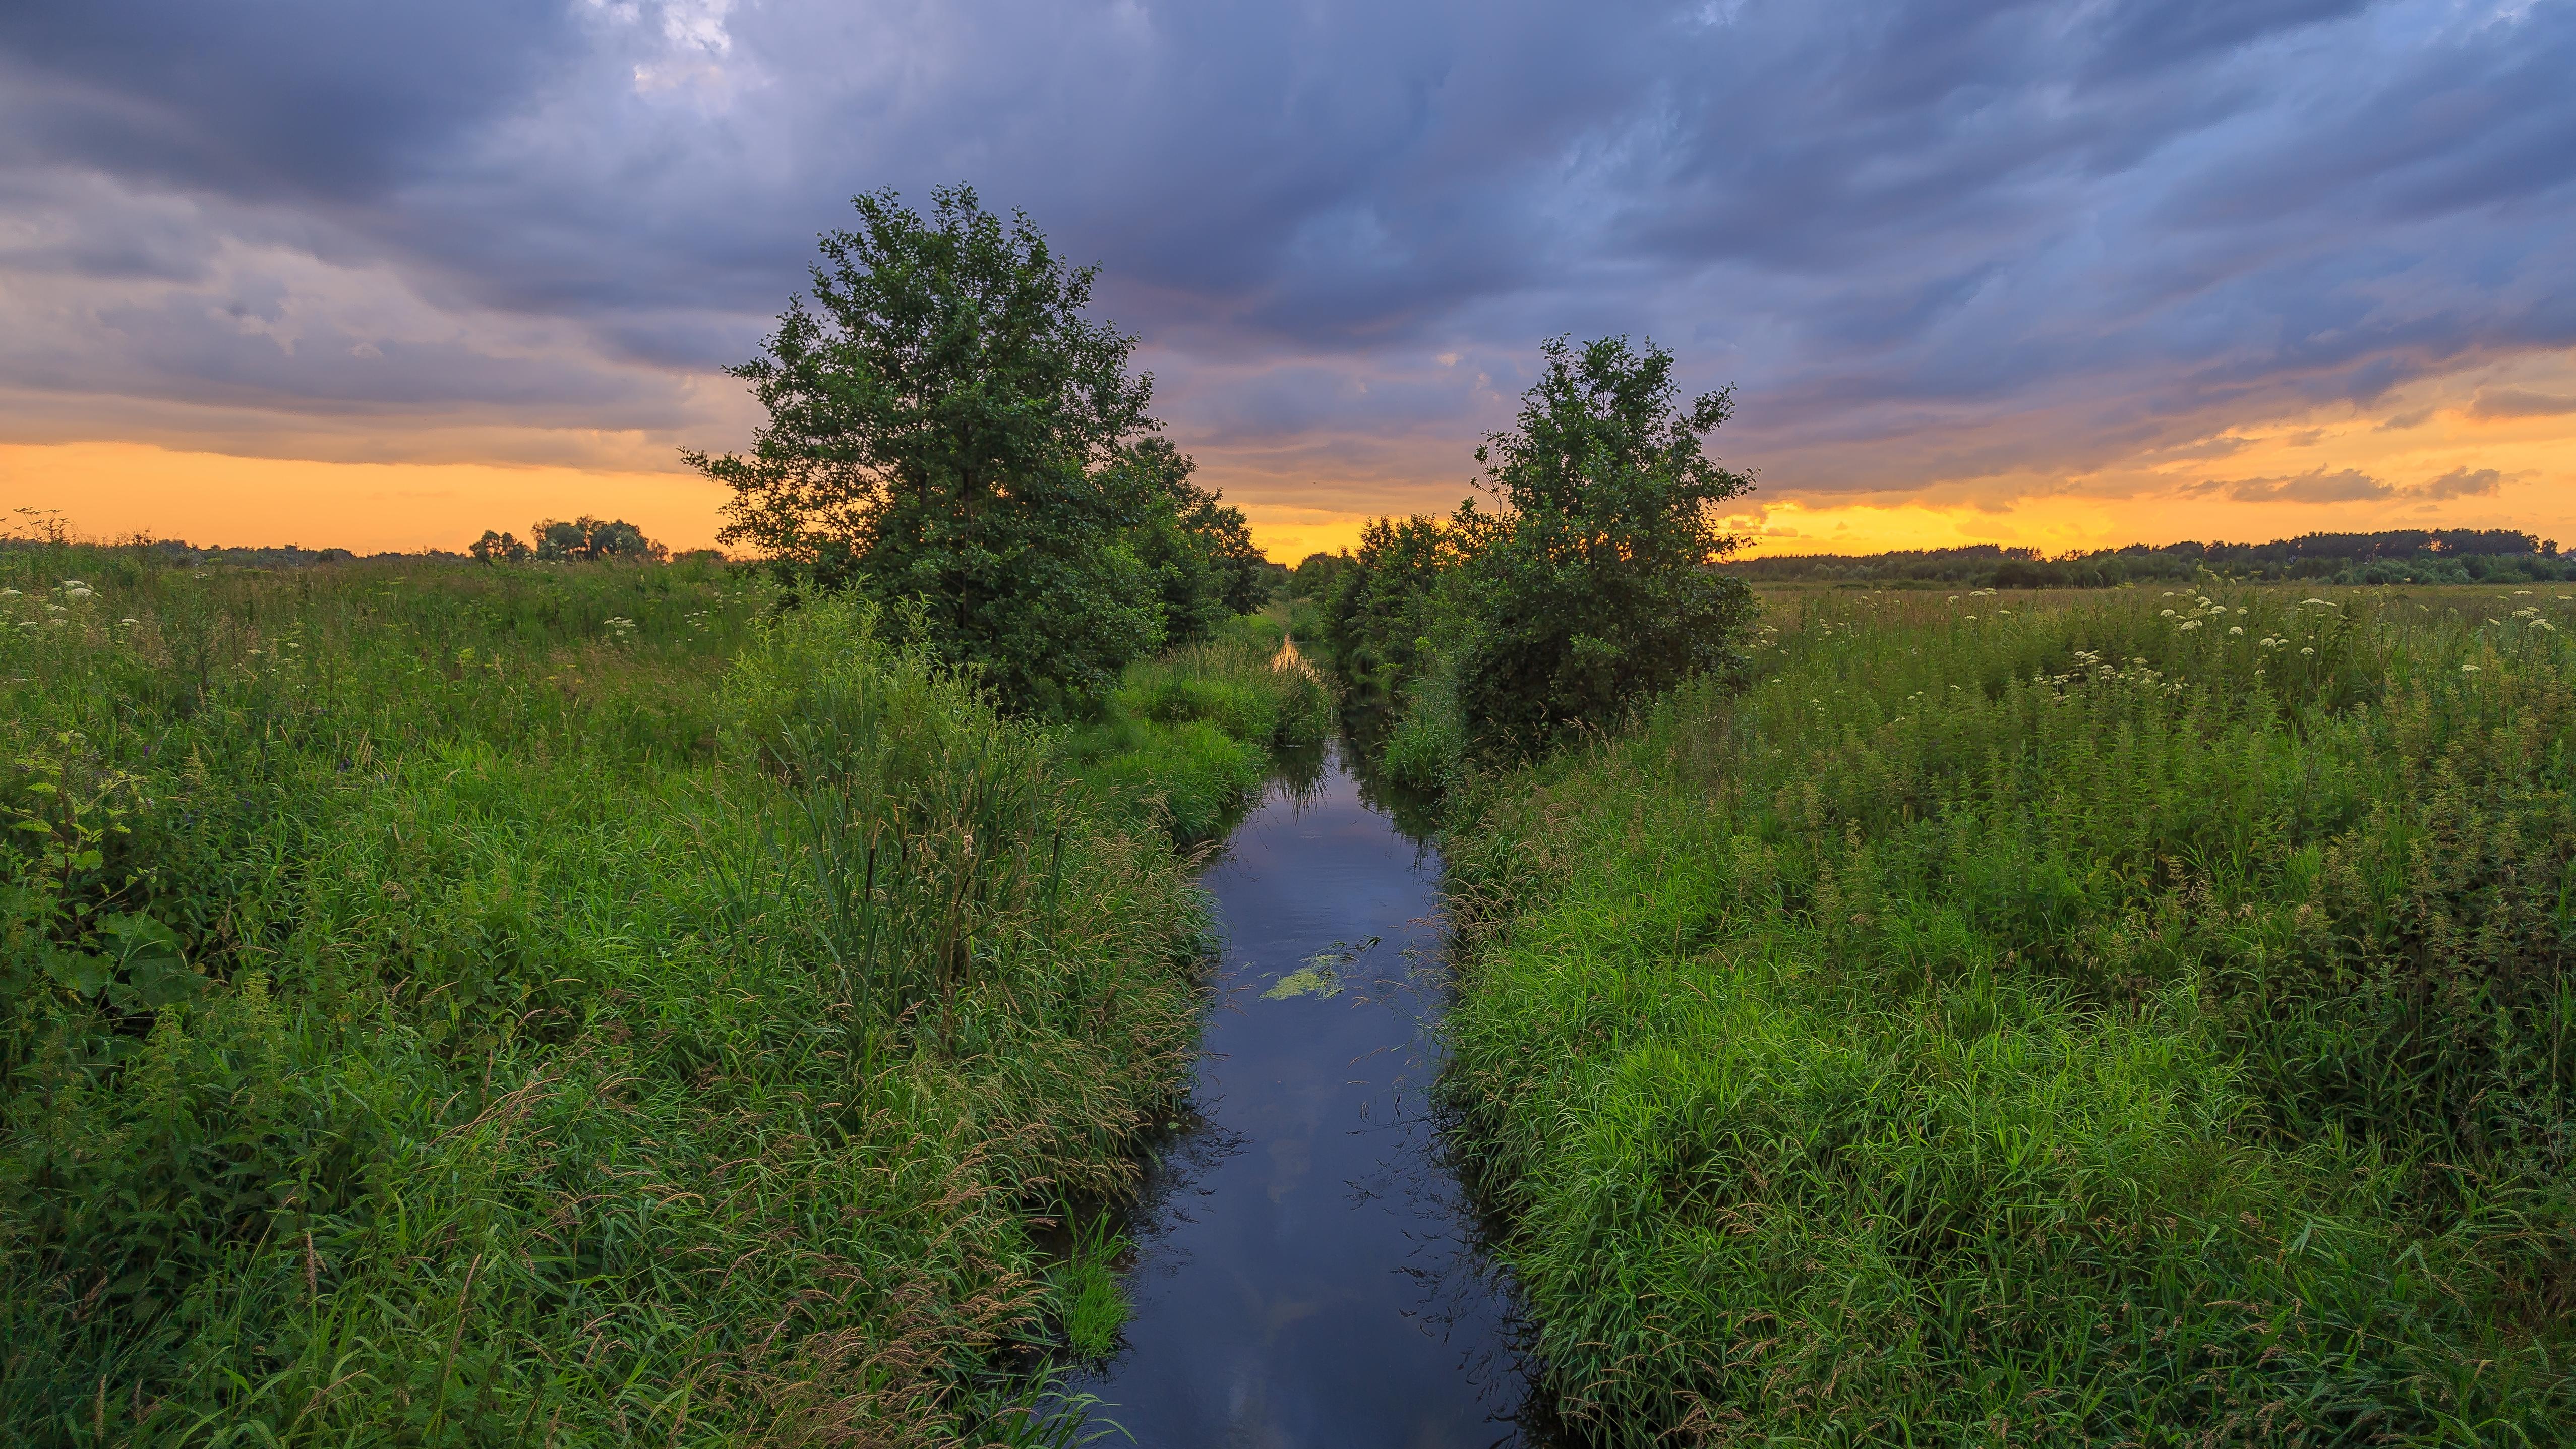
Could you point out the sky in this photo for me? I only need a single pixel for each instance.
(384, 275)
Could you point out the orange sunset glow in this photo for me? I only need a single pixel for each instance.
(116, 489)
(2319, 284)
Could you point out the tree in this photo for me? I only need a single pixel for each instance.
(590, 538)
(1198, 549)
(1314, 576)
(1593, 583)
(498, 548)
(1384, 604)
(944, 424)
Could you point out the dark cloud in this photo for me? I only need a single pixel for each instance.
(1929, 238)
(2513, 402)
(2461, 483)
(2348, 485)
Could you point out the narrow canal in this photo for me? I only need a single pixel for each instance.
(1306, 1269)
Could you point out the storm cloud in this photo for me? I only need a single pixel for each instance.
(1930, 240)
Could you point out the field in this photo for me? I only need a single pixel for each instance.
(561, 1004)
(2126, 1018)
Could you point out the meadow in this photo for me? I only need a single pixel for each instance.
(2138, 1018)
(565, 1004)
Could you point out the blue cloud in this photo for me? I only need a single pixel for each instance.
(1929, 238)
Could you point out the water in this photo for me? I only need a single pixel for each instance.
(1306, 1271)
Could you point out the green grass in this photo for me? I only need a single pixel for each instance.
(2015, 1021)
(453, 1005)
(1188, 737)
(1094, 1303)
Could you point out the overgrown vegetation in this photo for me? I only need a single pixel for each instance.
(1586, 589)
(945, 425)
(1189, 736)
(579, 1003)
(2140, 1021)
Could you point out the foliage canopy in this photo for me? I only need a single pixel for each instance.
(1594, 585)
(945, 424)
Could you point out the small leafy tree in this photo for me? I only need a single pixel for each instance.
(1593, 583)
(1382, 610)
(946, 425)
(495, 547)
(1198, 548)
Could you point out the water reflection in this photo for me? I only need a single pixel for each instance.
(1307, 1271)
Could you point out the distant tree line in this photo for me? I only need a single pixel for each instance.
(552, 541)
(947, 430)
(2395, 556)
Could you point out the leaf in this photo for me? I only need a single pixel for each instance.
(80, 972)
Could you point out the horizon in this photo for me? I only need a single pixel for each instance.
(2061, 279)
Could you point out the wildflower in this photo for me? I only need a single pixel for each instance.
(76, 592)
(2165, 613)
(129, 621)
(2468, 669)
(2235, 628)
(27, 624)
(74, 584)
(2307, 651)
(14, 594)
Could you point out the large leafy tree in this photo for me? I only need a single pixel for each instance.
(945, 424)
(1592, 583)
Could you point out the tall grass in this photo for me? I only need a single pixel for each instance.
(1189, 736)
(589, 1004)
(2141, 1021)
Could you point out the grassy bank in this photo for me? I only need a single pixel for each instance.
(2144, 1020)
(1188, 738)
(455, 1005)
